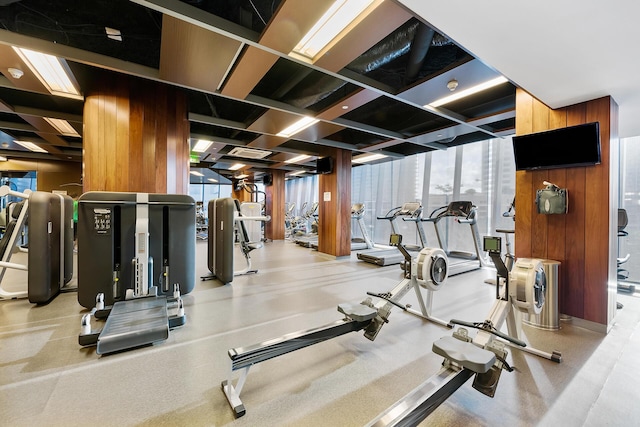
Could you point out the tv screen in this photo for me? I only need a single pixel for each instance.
(559, 148)
(324, 165)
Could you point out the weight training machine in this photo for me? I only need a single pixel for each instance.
(484, 356)
(428, 271)
(136, 256)
(48, 220)
(225, 218)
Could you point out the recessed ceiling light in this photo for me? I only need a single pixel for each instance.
(297, 159)
(196, 173)
(212, 179)
(364, 158)
(297, 173)
(201, 146)
(340, 16)
(113, 34)
(31, 146)
(52, 72)
(236, 166)
(3, 159)
(345, 107)
(467, 92)
(62, 126)
(298, 126)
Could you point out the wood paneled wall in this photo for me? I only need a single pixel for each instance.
(136, 137)
(334, 215)
(583, 240)
(274, 229)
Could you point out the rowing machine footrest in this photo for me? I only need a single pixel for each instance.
(357, 312)
(464, 353)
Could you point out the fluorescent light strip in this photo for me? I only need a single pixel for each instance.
(196, 173)
(202, 145)
(62, 126)
(298, 126)
(31, 146)
(212, 180)
(3, 159)
(467, 92)
(297, 159)
(364, 158)
(242, 176)
(50, 71)
(236, 167)
(334, 21)
(297, 173)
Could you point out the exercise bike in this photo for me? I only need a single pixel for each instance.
(485, 355)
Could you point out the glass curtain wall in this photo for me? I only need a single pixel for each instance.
(630, 201)
(205, 192)
(482, 172)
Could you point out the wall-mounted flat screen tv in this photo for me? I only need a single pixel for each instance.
(559, 148)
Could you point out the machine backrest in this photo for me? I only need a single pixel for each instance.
(11, 228)
(242, 229)
(623, 221)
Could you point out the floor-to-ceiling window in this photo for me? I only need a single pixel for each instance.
(630, 201)
(482, 172)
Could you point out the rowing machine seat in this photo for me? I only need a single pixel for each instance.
(357, 312)
(464, 353)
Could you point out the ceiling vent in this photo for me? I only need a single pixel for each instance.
(249, 153)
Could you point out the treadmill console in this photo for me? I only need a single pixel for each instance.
(460, 208)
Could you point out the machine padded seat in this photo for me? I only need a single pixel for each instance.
(357, 312)
(465, 353)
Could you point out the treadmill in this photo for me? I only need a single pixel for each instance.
(463, 212)
(410, 211)
(364, 242)
(309, 239)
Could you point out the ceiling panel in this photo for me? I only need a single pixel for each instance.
(232, 59)
(195, 57)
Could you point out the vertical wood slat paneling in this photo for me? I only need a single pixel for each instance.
(161, 141)
(122, 137)
(597, 218)
(275, 200)
(131, 128)
(334, 231)
(136, 120)
(110, 125)
(524, 184)
(581, 238)
(539, 223)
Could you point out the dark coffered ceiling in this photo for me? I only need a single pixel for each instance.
(369, 90)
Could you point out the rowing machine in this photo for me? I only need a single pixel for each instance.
(428, 271)
(483, 356)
